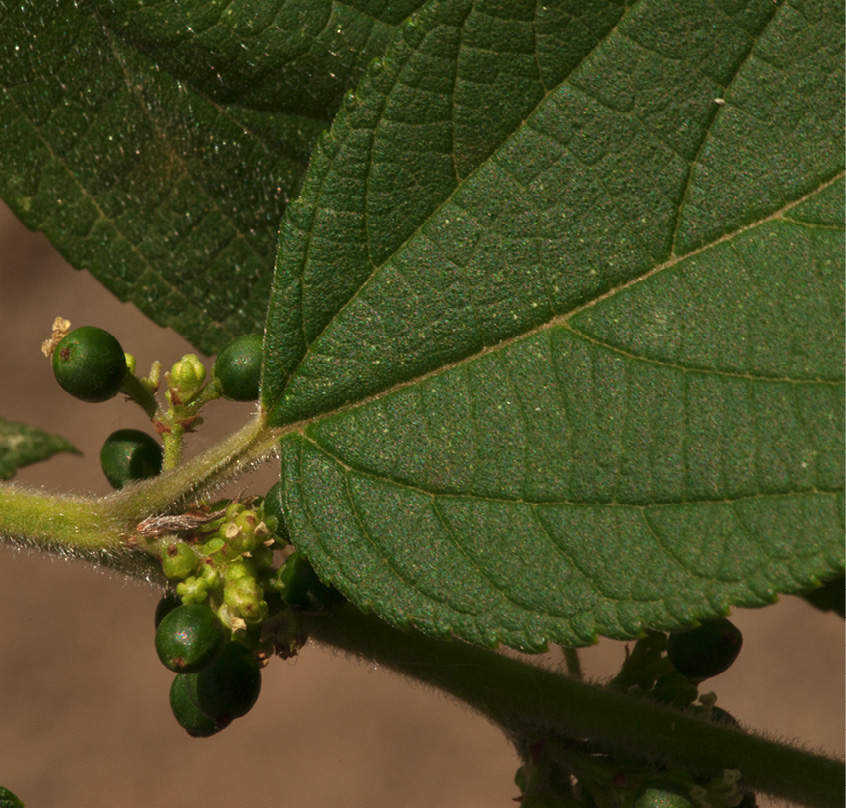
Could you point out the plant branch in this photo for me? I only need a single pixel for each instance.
(525, 700)
(106, 527)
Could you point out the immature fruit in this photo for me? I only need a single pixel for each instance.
(189, 638)
(185, 711)
(299, 585)
(238, 368)
(129, 455)
(89, 364)
(706, 650)
(230, 686)
(179, 560)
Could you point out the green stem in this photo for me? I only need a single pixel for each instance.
(138, 393)
(172, 446)
(523, 699)
(190, 480)
(53, 520)
(86, 526)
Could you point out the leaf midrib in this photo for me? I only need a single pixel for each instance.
(562, 320)
(564, 316)
(458, 186)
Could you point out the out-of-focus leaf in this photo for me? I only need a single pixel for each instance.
(157, 144)
(21, 445)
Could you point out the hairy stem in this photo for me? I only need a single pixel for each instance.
(525, 700)
(85, 526)
(53, 520)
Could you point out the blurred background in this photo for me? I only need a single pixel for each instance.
(84, 714)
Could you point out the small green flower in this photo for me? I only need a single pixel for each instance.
(193, 590)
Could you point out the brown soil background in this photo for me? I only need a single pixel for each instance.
(84, 716)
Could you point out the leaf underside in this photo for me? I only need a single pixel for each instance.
(556, 324)
(21, 445)
(157, 144)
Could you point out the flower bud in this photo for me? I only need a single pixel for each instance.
(187, 377)
(243, 597)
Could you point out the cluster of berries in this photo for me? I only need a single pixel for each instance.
(236, 588)
(669, 669)
(90, 364)
(231, 607)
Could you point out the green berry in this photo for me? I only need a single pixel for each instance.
(748, 800)
(299, 585)
(262, 557)
(230, 686)
(170, 600)
(129, 455)
(185, 711)
(705, 651)
(238, 368)
(89, 364)
(189, 638)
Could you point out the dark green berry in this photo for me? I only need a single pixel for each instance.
(748, 801)
(170, 601)
(238, 368)
(230, 686)
(299, 585)
(185, 711)
(705, 651)
(89, 364)
(189, 638)
(129, 455)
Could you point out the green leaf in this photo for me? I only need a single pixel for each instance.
(21, 445)
(157, 144)
(557, 321)
(9, 800)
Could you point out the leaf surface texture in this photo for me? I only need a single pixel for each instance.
(556, 324)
